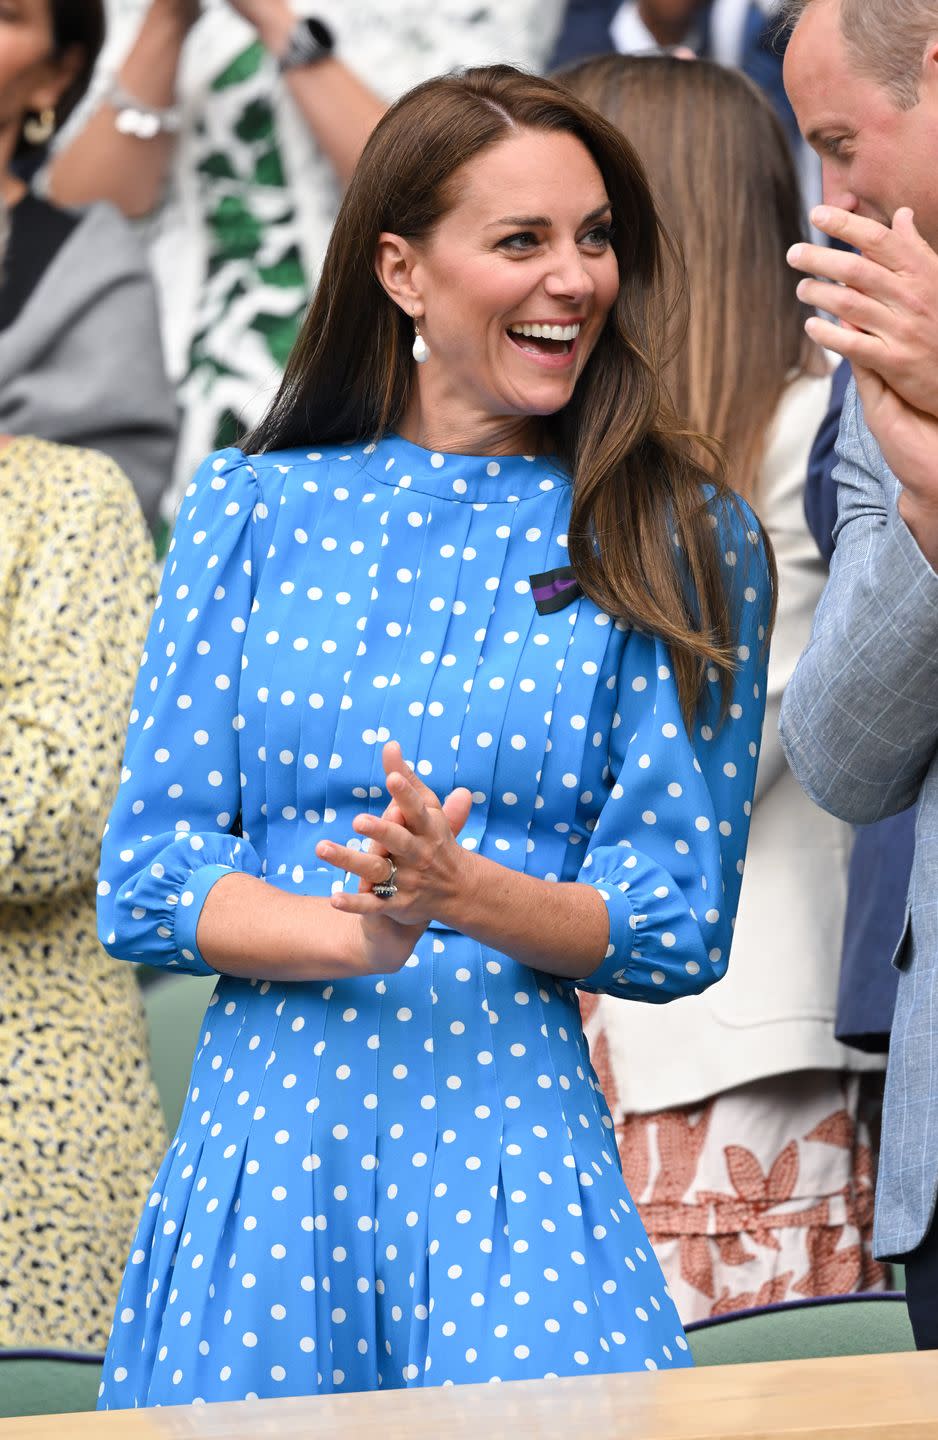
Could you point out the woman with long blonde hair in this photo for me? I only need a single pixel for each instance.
(741, 1121)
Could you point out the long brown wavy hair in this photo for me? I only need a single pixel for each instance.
(636, 484)
(725, 184)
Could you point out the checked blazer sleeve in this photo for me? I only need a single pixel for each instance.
(859, 721)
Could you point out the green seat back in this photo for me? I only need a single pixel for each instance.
(175, 1005)
(47, 1384)
(852, 1326)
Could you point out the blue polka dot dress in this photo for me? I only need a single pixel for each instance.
(408, 1180)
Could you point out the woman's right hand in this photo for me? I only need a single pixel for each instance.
(386, 944)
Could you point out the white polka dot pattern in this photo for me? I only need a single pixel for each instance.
(406, 1180)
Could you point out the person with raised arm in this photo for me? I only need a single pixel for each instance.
(81, 359)
(230, 128)
(858, 717)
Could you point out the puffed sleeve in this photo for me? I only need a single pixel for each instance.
(170, 835)
(667, 852)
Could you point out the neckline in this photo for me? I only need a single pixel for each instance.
(473, 479)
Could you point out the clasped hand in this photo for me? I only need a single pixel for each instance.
(420, 834)
(886, 298)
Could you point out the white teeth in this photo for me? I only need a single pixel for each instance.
(546, 332)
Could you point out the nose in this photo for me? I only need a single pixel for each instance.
(568, 277)
(834, 189)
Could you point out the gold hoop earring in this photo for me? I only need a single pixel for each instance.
(39, 129)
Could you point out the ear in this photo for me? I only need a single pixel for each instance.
(57, 76)
(930, 64)
(396, 261)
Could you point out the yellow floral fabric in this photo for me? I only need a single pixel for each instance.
(81, 1132)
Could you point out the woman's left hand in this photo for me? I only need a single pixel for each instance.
(431, 865)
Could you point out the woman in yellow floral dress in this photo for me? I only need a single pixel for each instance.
(80, 1127)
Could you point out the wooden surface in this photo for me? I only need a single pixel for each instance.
(881, 1397)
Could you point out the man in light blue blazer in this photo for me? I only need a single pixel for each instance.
(860, 719)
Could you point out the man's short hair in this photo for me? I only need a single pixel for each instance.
(886, 40)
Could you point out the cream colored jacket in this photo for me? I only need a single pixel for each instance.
(774, 1011)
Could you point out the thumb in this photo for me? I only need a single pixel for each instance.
(456, 808)
(870, 387)
(903, 225)
(903, 222)
(392, 758)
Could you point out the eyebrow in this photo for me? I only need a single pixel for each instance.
(822, 133)
(541, 222)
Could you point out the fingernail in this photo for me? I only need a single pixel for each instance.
(794, 254)
(820, 215)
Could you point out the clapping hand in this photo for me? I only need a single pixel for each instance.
(420, 834)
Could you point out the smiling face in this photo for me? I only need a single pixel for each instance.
(511, 289)
(875, 156)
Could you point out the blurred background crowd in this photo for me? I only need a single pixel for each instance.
(169, 185)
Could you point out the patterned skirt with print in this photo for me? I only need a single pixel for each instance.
(760, 1194)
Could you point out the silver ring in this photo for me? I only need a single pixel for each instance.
(387, 888)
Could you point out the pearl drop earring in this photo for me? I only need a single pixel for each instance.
(421, 350)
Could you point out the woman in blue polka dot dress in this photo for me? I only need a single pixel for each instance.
(395, 1167)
